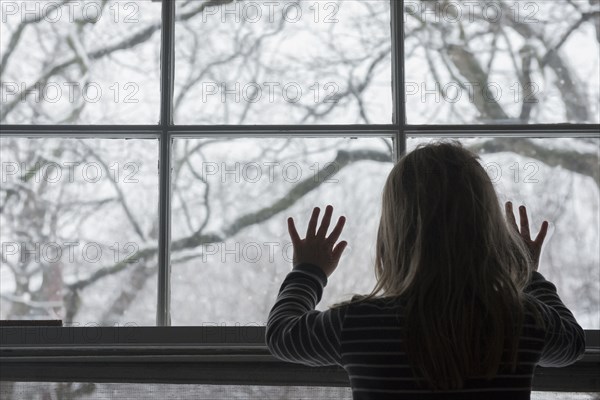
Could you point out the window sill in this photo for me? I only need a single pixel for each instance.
(192, 355)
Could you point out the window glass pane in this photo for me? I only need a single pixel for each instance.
(130, 391)
(502, 61)
(564, 396)
(284, 62)
(557, 180)
(79, 228)
(231, 199)
(80, 62)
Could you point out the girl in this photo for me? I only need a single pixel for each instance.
(459, 310)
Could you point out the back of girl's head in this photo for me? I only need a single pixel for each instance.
(444, 246)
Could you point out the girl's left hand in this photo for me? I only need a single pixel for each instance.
(316, 248)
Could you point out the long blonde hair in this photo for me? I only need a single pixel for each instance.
(444, 245)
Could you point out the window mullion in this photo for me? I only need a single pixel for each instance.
(398, 88)
(166, 118)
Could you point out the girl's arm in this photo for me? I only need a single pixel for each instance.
(564, 339)
(296, 332)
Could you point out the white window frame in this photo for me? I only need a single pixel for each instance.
(230, 355)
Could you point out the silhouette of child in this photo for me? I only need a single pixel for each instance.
(459, 310)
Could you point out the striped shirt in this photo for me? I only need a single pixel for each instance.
(364, 339)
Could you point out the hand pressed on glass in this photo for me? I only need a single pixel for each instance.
(316, 248)
(534, 246)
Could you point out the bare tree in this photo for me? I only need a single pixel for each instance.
(35, 211)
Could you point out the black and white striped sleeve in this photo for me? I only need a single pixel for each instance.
(565, 338)
(295, 331)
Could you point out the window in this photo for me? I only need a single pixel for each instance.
(229, 195)
(248, 63)
(501, 62)
(151, 151)
(79, 217)
(71, 63)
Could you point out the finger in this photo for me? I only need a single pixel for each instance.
(337, 230)
(539, 239)
(293, 232)
(338, 250)
(510, 216)
(524, 223)
(325, 222)
(312, 224)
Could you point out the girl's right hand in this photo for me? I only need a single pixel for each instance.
(534, 246)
